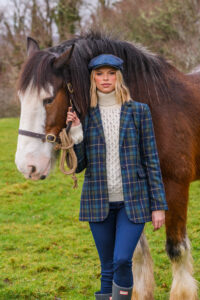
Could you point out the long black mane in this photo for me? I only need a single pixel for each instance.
(145, 73)
(37, 70)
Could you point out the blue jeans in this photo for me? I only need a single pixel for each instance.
(116, 239)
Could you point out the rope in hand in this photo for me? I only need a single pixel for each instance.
(68, 155)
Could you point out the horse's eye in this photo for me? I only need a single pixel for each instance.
(48, 100)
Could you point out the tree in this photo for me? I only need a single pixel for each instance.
(66, 16)
(41, 22)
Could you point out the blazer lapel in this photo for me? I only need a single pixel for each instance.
(96, 115)
(125, 115)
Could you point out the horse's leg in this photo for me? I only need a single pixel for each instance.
(143, 271)
(184, 286)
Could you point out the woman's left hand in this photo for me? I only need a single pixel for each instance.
(158, 219)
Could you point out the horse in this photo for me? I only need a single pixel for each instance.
(174, 101)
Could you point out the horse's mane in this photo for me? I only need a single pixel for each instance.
(145, 73)
(37, 70)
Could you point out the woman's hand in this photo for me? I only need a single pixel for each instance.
(72, 116)
(158, 219)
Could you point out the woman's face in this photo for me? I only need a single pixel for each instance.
(105, 78)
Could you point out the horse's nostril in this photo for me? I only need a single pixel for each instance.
(33, 169)
(42, 177)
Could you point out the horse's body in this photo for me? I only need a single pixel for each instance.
(174, 99)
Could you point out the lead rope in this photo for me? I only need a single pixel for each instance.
(68, 155)
(66, 146)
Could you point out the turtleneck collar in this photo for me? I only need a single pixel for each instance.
(106, 99)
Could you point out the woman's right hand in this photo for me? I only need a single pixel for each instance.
(72, 116)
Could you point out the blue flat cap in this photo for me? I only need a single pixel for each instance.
(105, 60)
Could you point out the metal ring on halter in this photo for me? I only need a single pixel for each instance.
(70, 88)
(51, 138)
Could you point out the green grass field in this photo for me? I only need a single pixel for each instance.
(45, 251)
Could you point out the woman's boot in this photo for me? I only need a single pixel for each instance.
(121, 293)
(99, 296)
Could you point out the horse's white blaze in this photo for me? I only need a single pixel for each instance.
(32, 151)
(184, 286)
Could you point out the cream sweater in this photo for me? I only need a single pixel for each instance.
(110, 115)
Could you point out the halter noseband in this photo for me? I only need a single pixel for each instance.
(51, 138)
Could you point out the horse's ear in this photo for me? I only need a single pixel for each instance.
(64, 58)
(32, 46)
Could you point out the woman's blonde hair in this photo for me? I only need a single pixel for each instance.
(122, 91)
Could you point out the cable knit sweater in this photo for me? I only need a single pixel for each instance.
(110, 115)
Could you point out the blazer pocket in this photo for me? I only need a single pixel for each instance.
(141, 173)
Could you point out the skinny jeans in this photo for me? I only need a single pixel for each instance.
(116, 238)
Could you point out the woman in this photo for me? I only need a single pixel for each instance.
(123, 185)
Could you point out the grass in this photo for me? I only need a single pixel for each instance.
(46, 252)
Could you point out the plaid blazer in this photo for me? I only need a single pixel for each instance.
(143, 188)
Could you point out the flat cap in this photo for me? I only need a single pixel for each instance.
(105, 60)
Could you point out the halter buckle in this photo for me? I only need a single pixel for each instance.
(50, 138)
(70, 88)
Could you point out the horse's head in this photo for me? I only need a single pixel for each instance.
(44, 105)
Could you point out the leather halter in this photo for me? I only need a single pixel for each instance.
(51, 138)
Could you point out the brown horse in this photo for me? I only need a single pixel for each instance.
(174, 100)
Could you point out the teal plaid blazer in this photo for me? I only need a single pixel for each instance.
(143, 187)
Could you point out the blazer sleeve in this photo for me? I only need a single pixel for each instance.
(151, 161)
(77, 135)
